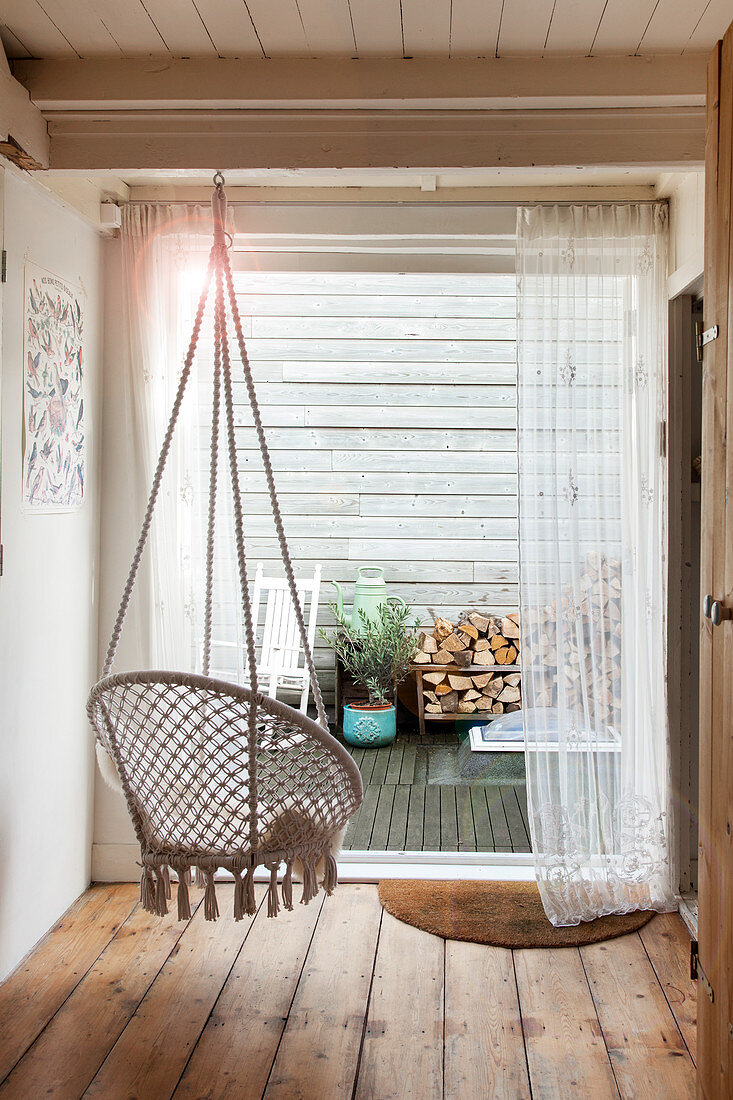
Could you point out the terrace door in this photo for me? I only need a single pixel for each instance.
(715, 1010)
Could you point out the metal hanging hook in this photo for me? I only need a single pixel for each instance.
(218, 180)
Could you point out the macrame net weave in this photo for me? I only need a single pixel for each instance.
(217, 775)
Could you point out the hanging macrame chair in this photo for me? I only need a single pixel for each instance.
(217, 775)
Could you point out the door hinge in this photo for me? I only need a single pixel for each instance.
(697, 973)
(703, 337)
(663, 438)
(3, 267)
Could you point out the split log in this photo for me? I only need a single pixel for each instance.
(467, 627)
(430, 696)
(449, 703)
(466, 707)
(427, 643)
(509, 695)
(442, 629)
(443, 689)
(482, 679)
(453, 643)
(495, 688)
(433, 677)
(442, 657)
(460, 683)
(463, 658)
(509, 628)
(421, 658)
(432, 708)
(479, 621)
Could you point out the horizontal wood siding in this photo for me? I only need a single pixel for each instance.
(390, 403)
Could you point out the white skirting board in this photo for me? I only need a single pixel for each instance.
(121, 863)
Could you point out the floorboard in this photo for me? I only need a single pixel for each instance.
(151, 1053)
(646, 1048)
(63, 957)
(97, 1011)
(340, 999)
(319, 1052)
(566, 1053)
(667, 943)
(484, 1046)
(252, 1010)
(407, 960)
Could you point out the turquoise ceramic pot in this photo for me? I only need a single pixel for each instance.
(370, 727)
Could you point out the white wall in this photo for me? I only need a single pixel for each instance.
(48, 606)
(687, 232)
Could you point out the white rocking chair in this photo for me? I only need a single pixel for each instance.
(281, 653)
(282, 661)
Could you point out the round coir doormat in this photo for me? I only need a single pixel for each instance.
(503, 914)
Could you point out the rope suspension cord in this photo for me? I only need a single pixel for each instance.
(219, 269)
(218, 775)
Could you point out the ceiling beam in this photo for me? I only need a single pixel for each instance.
(23, 129)
(430, 140)
(494, 83)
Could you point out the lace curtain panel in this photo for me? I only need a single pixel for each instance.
(164, 250)
(592, 359)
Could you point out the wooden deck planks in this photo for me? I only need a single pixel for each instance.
(463, 817)
(646, 1048)
(63, 957)
(414, 840)
(517, 830)
(408, 960)
(319, 1052)
(398, 824)
(482, 1014)
(339, 999)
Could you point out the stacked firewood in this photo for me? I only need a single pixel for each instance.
(577, 641)
(470, 648)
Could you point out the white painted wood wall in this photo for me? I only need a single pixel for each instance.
(390, 407)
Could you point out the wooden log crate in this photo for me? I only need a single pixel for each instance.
(578, 641)
(468, 668)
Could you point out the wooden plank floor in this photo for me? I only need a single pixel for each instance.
(402, 811)
(339, 999)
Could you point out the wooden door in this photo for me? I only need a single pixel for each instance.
(715, 930)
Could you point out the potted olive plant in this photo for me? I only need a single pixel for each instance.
(377, 656)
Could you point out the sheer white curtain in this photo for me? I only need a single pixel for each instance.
(592, 360)
(164, 255)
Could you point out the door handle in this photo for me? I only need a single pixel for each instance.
(719, 611)
(707, 606)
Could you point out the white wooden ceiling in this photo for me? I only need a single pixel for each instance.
(358, 28)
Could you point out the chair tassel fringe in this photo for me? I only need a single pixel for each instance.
(211, 909)
(184, 901)
(273, 904)
(199, 878)
(161, 908)
(147, 890)
(250, 904)
(330, 872)
(310, 885)
(238, 895)
(165, 872)
(287, 888)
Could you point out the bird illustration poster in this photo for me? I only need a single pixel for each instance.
(53, 398)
